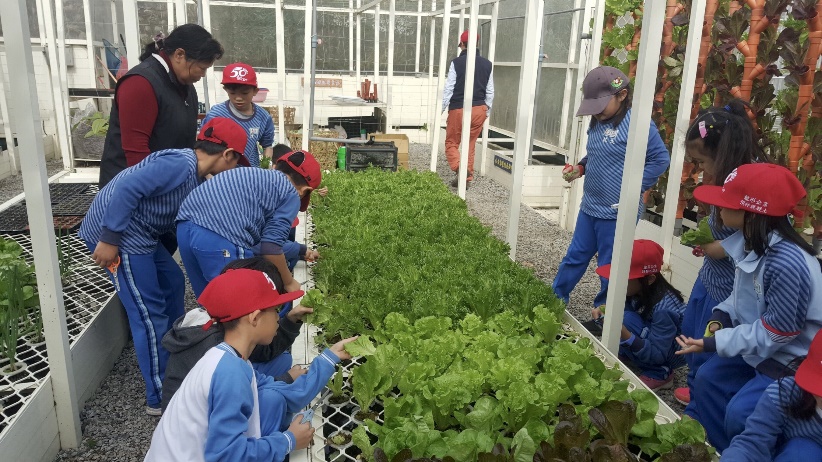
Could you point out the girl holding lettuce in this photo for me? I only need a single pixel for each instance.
(719, 140)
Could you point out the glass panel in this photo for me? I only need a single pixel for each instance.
(294, 24)
(74, 19)
(549, 105)
(506, 87)
(332, 54)
(247, 35)
(152, 18)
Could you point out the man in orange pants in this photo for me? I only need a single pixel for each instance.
(452, 99)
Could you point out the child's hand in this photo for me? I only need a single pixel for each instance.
(714, 250)
(322, 191)
(297, 371)
(571, 172)
(298, 312)
(339, 348)
(689, 345)
(311, 255)
(105, 254)
(596, 313)
(302, 432)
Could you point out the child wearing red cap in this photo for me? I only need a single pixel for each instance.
(188, 342)
(653, 315)
(240, 83)
(786, 425)
(242, 212)
(607, 98)
(719, 140)
(775, 309)
(216, 413)
(123, 226)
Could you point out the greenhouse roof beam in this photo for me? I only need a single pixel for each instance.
(463, 6)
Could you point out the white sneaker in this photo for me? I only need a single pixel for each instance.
(154, 411)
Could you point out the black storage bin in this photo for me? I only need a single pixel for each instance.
(379, 154)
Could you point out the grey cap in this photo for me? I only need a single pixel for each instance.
(598, 87)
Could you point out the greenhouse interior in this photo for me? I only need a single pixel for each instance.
(446, 304)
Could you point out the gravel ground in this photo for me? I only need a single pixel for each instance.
(13, 185)
(114, 421)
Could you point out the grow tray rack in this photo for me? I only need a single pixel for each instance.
(88, 293)
(340, 417)
(70, 202)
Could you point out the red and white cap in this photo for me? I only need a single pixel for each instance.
(238, 292)
(809, 374)
(764, 189)
(646, 259)
(239, 73)
(226, 133)
(307, 166)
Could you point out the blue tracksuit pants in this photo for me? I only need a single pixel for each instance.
(696, 317)
(592, 236)
(726, 391)
(205, 253)
(152, 290)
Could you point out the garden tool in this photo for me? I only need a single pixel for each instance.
(308, 415)
(113, 268)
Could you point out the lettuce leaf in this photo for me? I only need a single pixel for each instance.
(699, 236)
(361, 347)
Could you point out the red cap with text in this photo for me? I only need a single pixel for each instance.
(764, 189)
(238, 292)
(226, 133)
(646, 259)
(239, 73)
(307, 166)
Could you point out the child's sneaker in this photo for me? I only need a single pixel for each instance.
(657, 384)
(683, 395)
(154, 411)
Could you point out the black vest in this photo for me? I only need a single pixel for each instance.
(482, 73)
(175, 127)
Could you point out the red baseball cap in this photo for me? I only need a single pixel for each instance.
(239, 73)
(238, 292)
(809, 374)
(464, 37)
(226, 133)
(307, 166)
(765, 189)
(598, 87)
(646, 259)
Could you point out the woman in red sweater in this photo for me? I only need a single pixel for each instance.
(155, 103)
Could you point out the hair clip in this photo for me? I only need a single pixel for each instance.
(703, 131)
(727, 108)
(158, 39)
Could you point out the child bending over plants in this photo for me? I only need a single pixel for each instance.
(718, 141)
(653, 315)
(217, 414)
(786, 425)
(607, 98)
(775, 308)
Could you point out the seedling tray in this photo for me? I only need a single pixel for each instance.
(63, 191)
(77, 205)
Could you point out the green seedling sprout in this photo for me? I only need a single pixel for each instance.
(337, 383)
(10, 282)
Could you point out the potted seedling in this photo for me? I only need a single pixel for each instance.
(339, 395)
(339, 438)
